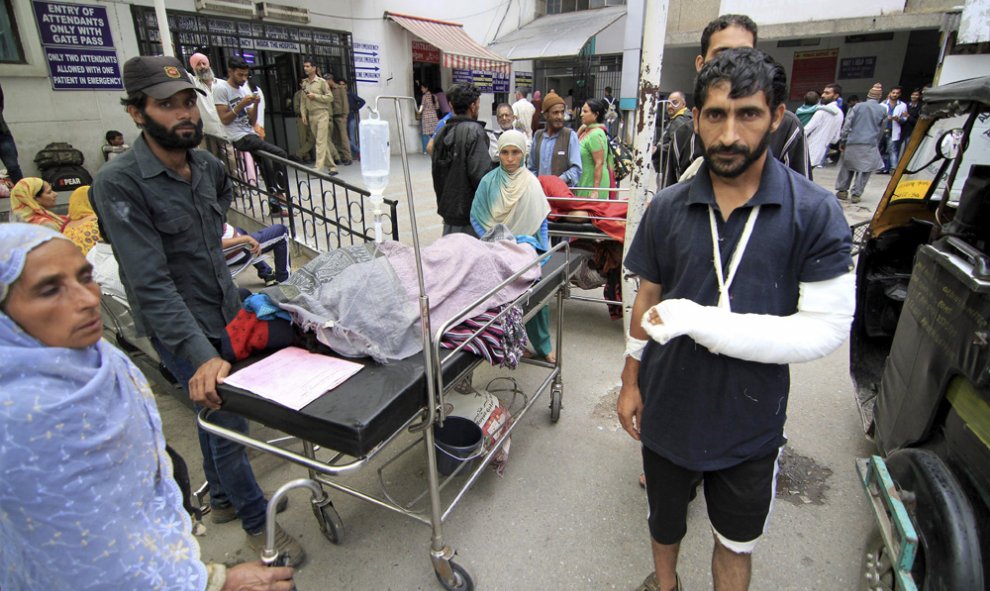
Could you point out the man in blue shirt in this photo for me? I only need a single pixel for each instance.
(555, 150)
(744, 269)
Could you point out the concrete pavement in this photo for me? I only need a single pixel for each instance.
(568, 513)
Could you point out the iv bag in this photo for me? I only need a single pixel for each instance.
(375, 156)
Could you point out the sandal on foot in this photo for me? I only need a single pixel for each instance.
(550, 358)
(650, 583)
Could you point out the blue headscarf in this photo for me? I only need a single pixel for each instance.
(16, 241)
(86, 489)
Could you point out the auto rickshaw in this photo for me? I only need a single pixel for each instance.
(920, 352)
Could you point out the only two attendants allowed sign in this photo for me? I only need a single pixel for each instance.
(78, 46)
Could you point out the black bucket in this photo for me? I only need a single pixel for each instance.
(457, 442)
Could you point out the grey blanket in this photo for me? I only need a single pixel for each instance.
(363, 301)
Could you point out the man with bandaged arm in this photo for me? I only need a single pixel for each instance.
(742, 270)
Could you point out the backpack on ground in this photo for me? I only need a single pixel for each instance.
(67, 178)
(58, 154)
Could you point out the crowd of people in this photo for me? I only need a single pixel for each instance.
(326, 112)
(712, 329)
(868, 136)
(897, 126)
(572, 143)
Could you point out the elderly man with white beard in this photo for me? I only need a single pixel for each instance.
(203, 78)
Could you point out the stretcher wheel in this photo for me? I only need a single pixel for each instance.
(330, 523)
(555, 404)
(462, 579)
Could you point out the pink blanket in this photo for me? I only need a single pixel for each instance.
(458, 269)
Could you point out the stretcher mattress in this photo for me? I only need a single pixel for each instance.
(369, 407)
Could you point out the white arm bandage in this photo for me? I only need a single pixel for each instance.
(634, 347)
(821, 324)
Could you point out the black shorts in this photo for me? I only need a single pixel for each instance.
(739, 499)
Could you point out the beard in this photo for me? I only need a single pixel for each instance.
(206, 76)
(731, 171)
(168, 138)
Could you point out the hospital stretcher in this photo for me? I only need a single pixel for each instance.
(353, 424)
(362, 417)
(561, 226)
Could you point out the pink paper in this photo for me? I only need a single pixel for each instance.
(293, 377)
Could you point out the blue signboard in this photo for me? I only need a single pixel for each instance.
(83, 69)
(500, 83)
(78, 46)
(73, 25)
(462, 76)
(483, 80)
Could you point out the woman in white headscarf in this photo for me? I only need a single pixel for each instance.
(87, 496)
(511, 195)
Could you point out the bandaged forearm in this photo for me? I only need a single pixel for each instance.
(634, 347)
(820, 325)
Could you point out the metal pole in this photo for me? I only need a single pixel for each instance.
(647, 103)
(438, 551)
(163, 31)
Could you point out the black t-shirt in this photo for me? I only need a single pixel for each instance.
(705, 411)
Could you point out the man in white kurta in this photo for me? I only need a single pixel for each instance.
(203, 78)
(524, 110)
(824, 127)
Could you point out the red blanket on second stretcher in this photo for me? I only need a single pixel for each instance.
(597, 208)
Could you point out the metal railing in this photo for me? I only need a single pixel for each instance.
(325, 212)
(860, 233)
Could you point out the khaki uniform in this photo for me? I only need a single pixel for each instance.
(318, 111)
(341, 109)
(302, 129)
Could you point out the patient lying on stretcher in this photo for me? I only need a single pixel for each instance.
(364, 300)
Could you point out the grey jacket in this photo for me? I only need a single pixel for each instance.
(166, 232)
(864, 124)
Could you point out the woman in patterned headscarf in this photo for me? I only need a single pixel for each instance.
(31, 201)
(87, 496)
(82, 228)
(511, 194)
